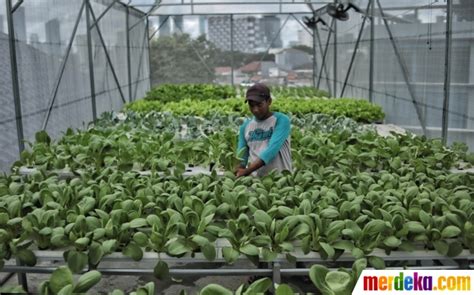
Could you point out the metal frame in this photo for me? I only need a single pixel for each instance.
(315, 66)
(372, 49)
(140, 62)
(127, 37)
(302, 5)
(159, 27)
(324, 59)
(14, 73)
(17, 5)
(104, 13)
(146, 39)
(326, 72)
(154, 7)
(334, 70)
(447, 71)
(91, 63)
(420, 258)
(232, 49)
(354, 53)
(148, 46)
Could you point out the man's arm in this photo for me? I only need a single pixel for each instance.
(242, 147)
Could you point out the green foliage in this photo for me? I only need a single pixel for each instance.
(352, 191)
(358, 110)
(260, 286)
(62, 282)
(174, 92)
(324, 209)
(300, 91)
(340, 282)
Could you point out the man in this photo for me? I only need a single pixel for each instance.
(265, 138)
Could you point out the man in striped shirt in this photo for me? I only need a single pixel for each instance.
(264, 139)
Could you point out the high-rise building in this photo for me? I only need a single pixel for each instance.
(270, 26)
(53, 36)
(19, 23)
(250, 33)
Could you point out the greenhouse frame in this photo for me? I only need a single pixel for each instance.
(72, 70)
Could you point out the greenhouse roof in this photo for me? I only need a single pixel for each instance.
(209, 7)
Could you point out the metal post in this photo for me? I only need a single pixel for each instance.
(324, 59)
(129, 70)
(18, 4)
(372, 51)
(276, 273)
(14, 73)
(232, 49)
(335, 60)
(22, 278)
(356, 48)
(61, 70)
(316, 30)
(107, 55)
(314, 57)
(148, 45)
(447, 71)
(91, 63)
(404, 70)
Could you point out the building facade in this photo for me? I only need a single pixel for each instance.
(250, 34)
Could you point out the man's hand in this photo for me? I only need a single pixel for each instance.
(251, 168)
(241, 172)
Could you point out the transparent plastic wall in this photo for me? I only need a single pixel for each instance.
(8, 138)
(461, 105)
(53, 67)
(231, 49)
(409, 46)
(139, 62)
(43, 32)
(111, 78)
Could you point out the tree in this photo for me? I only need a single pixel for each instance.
(173, 59)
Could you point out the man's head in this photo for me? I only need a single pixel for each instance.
(259, 99)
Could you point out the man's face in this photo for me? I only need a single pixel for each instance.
(260, 109)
